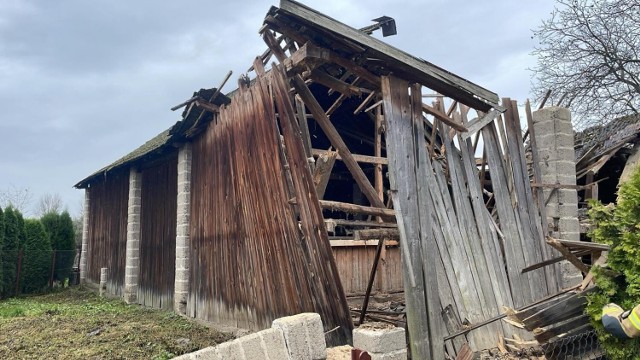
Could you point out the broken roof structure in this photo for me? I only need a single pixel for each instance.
(235, 214)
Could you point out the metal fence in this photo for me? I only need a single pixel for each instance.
(32, 271)
(584, 346)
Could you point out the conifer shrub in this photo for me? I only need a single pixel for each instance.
(618, 227)
(62, 237)
(36, 261)
(10, 247)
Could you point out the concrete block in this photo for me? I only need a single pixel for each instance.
(392, 355)
(304, 336)
(208, 353)
(379, 340)
(184, 198)
(253, 347)
(569, 224)
(273, 341)
(230, 350)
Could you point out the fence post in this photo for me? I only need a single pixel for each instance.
(19, 271)
(53, 267)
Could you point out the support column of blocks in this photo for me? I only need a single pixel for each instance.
(381, 341)
(132, 262)
(181, 284)
(85, 238)
(555, 142)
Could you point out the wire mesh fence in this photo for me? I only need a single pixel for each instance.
(32, 271)
(580, 346)
(583, 346)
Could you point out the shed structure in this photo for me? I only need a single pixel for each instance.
(285, 194)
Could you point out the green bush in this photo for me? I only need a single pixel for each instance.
(62, 236)
(36, 261)
(618, 227)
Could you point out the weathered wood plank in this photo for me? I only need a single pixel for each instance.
(403, 188)
(513, 254)
(322, 171)
(443, 117)
(391, 234)
(365, 159)
(486, 285)
(475, 125)
(528, 221)
(543, 335)
(354, 209)
(430, 257)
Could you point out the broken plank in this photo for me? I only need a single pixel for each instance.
(443, 117)
(391, 234)
(349, 242)
(366, 159)
(567, 254)
(355, 209)
(476, 125)
(322, 171)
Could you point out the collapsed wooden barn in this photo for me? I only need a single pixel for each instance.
(279, 197)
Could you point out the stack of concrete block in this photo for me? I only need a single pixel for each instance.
(554, 140)
(298, 337)
(304, 336)
(381, 341)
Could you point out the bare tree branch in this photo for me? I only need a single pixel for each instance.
(49, 203)
(588, 50)
(17, 198)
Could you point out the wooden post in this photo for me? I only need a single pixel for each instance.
(19, 271)
(379, 185)
(53, 267)
(372, 276)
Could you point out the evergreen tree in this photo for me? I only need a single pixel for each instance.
(37, 257)
(10, 247)
(62, 235)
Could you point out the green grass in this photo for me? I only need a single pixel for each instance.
(77, 324)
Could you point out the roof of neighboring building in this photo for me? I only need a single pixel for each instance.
(596, 145)
(603, 137)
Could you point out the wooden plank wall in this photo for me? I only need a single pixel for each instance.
(354, 264)
(108, 230)
(252, 260)
(475, 278)
(158, 233)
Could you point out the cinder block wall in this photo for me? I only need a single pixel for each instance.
(557, 160)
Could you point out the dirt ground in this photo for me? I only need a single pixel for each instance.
(77, 324)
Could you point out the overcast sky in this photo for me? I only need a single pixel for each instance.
(82, 83)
